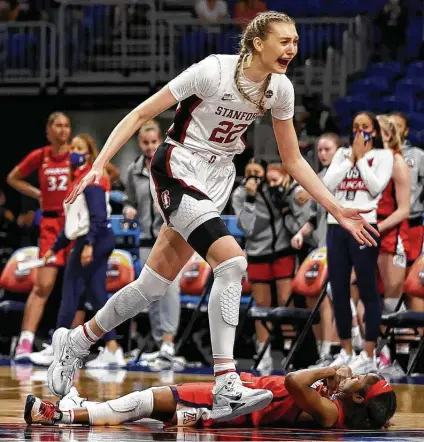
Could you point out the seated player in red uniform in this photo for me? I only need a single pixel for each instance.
(330, 397)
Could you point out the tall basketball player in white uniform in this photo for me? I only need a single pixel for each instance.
(192, 176)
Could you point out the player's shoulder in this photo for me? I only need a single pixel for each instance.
(384, 153)
(282, 83)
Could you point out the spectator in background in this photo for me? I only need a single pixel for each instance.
(211, 11)
(357, 176)
(246, 10)
(315, 232)
(5, 8)
(393, 21)
(269, 254)
(87, 222)
(52, 166)
(164, 314)
(319, 118)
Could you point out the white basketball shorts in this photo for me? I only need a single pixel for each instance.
(190, 187)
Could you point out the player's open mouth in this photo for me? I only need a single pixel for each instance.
(283, 62)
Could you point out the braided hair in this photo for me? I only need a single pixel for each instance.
(257, 28)
(395, 141)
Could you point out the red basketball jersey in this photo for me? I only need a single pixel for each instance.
(53, 176)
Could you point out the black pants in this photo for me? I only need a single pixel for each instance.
(90, 279)
(344, 253)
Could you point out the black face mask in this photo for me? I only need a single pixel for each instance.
(278, 196)
(258, 179)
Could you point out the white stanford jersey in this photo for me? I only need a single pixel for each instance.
(359, 186)
(212, 115)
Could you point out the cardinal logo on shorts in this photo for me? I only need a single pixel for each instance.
(188, 417)
(166, 199)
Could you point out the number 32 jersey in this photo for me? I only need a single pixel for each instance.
(212, 116)
(53, 174)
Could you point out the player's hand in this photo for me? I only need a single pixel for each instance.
(49, 255)
(87, 255)
(92, 177)
(302, 197)
(359, 147)
(129, 213)
(354, 223)
(297, 241)
(251, 186)
(343, 372)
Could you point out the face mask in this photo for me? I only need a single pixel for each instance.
(367, 136)
(77, 159)
(254, 177)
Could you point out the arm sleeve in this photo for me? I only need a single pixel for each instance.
(201, 79)
(245, 209)
(61, 242)
(337, 171)
(283, 108)
(96, 204)
(376, 180)
(130, 188)
(31, 162)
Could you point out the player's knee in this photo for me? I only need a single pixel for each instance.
(42, 290)
(133, 298)
(233, 268)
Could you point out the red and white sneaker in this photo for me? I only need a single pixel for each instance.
(41, 412)
(23, 350)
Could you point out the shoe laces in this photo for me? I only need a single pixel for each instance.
(47, 410)
(71, 361)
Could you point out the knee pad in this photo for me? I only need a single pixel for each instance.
(132, 299)
(229, 275)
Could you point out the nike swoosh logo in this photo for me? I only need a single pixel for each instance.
(236, 405)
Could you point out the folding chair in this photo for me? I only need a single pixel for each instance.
(413, 286)
(310, 280)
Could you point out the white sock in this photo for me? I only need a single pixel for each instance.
(325, 349)
(25, 334)
(83, 337)
(67, 417)
(221, 370)
(259, 346)
(168, 348)
(129, 408)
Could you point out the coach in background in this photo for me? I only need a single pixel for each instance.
(164, 314)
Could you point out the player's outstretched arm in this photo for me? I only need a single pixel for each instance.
(153, 106)
(302, 172)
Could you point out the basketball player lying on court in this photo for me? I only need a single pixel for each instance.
(330, 397)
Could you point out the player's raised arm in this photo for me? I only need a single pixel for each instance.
(124, 130)
(302, 172)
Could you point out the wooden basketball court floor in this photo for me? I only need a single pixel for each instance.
(17, 381)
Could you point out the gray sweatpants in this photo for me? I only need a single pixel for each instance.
(164, 314)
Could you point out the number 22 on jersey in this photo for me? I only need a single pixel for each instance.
(227, 132)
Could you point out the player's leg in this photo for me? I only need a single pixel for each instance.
(43, 286)
(34, 309)
(155, 403)
(169, 254)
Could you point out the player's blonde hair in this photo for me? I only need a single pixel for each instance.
(54, 115)
(395, 140)
(257, 28)
(148, 126)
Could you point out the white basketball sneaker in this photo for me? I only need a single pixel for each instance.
(71, 401)
(107, 359)
(67, 358)
(231, 399)
(44, 357)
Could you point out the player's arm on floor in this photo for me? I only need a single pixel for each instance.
(322, 410)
